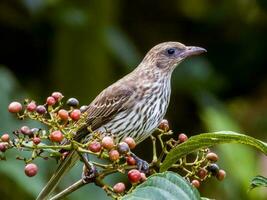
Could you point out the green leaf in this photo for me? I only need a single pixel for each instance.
(205, 140)
(161, 186)
(258, 181)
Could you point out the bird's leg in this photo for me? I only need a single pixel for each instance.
(89, 170)
(142, 165)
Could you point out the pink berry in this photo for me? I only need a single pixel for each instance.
(130, 160)
(95, 146)
(75, 114)
(119, 188)
(164, 125)
(134, 176)
(107, 142)
(56, 136)
(195, 183)
(213, 157)
(130, 141)
(114, 155)
(5, 137)
(36, 140)
(2, 147)
(182, 137)
(31, 169)
(63, 114)
(57, 96)
(31, 107)
(51, 101)
(143, 177)
(221, 175)
(25, 130)
(14, 107)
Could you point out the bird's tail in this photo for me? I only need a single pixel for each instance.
(63, 168)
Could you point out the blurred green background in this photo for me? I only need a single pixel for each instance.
(80, 47)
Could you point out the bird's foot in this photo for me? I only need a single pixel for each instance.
(142, 165)
(89, 173)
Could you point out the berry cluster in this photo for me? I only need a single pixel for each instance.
(62, 121)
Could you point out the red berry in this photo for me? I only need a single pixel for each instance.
(182, 137)
(130, 141)
(164, 125)
(114, 155)
(195, 183)
(5, 137)
(213, 157)
(75, 114)
(123, 147)
(25, 130)
(14, 107)
(31, 169)
(119, 188)
(57, 96)
(143, 177)
(56, 136)
(63, 114)
(51, 101)
(2, 147)
(31, 107)
(130, 160)
(202, 173)
(134, 176)
(221, 175)
(41, 109)
(107, 142)
(95, 146)
(36, 140)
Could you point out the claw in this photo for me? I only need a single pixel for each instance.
(142, 165)
(89, 172)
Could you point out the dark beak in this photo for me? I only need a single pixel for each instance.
(191, 51)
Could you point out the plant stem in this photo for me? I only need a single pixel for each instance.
(69, 190)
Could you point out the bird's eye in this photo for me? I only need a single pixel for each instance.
(171, 51)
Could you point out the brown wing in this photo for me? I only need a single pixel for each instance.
(107, 104)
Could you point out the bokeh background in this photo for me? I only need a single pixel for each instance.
(80, 47)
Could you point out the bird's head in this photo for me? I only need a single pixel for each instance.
(166, 56)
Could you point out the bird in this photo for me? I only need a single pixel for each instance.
(133, 106)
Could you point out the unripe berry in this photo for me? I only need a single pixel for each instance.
(114, 155)
(130, 141)
(56, 136)
(2, 147)
(134, 176)
(57, 96)
(213, 169)
(31, 169)
(130, 160)
(95, 146)
(14, 107)
(164, 125)
(36, 140)
(182, 137)
(123, 147)
(195, 183)
(51, 101)
(31, 107)
(107, 142)
(213, 157)
(75, 114)
(119, 188)
(26, 130)
(72, 102)
(221, 175)
(63, 114)
(143, 177)
(5, 137)
(41, 109)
